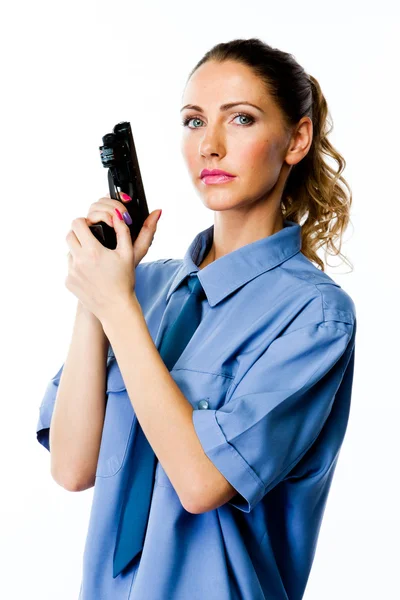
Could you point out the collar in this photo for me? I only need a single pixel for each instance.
(226, 274)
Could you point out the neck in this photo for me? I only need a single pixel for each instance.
(228, 237)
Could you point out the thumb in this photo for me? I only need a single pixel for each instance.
(146, 235)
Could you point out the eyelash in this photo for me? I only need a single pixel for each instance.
(186, 121)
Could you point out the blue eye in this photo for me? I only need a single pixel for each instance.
(186, 121)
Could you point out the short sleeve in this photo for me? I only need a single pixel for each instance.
(277, 409)
(46, 410)
(47, 406)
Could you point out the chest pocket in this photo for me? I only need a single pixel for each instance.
(118, 423)
(204, 391)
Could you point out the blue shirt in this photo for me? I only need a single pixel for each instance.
(269, 375)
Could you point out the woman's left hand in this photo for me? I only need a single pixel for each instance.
(104, 279)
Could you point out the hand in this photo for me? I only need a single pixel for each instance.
(103, 279)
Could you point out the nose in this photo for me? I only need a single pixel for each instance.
(211, 143)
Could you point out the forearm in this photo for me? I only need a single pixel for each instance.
(79, 410)
(163, 412)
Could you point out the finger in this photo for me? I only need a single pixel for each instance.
(146, 235)
(123, 234)
(124, 197)
(80, 227)
(108, 204)
(95, 216)
(73, 243)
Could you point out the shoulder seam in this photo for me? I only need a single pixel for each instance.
(309, 276)
(343, 316)
(326, 323)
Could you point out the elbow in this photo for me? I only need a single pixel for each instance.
(189, 503)
(194, 503)
(80, 486)
(198, 508)
(73, 483)
(193, 508)
(211, 496)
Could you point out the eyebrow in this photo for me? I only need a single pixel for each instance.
(222, 107)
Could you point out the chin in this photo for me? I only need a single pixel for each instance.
(213, 202)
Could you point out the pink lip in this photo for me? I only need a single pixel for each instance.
(215, 172)
(212, 179)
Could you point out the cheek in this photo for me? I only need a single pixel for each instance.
(257, 155)
(189, 152)
(260, 162)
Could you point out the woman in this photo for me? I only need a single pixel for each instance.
(247, 425)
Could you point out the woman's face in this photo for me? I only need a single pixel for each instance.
(251, 146)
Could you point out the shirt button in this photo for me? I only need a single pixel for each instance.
(202, 404)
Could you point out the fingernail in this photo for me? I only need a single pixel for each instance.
(119, 214)
(159, 215)
(127, 218)
(125, 197)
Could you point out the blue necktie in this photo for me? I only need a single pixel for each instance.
(142, 460)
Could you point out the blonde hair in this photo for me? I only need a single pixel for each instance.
(314, 194)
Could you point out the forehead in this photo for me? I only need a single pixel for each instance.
(228, 81)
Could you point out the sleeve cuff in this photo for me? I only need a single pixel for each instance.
(227, 460)
(45, 414)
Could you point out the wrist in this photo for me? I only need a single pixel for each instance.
(81, 310)
(126, 309)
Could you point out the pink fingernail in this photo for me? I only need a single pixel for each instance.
(125, 197)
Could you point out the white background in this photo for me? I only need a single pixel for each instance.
(70, 72)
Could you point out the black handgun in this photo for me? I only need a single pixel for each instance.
(118, 155)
